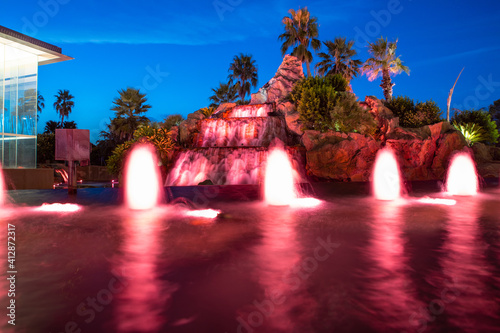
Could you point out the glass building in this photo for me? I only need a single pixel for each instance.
(20, 56)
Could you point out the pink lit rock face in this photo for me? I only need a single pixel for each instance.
(386, 179)
(462, 176)
(279, 188)
(142, 178)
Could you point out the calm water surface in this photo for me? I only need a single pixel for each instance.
(353, 264)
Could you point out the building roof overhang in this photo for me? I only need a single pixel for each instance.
(47, 53)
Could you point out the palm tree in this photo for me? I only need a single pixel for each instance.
(172, 120)
(339, 60)
(40, 102)
(63, 104)
(301, 31)
(225, 93)
(129, 108)
(244, 72)
(384, 62)
(51, 126)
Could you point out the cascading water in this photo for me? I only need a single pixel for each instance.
(462, 176)
(226, 166)
(231, 149)
(386, 178)
(279, 188)
(237, 132)
(142, 178)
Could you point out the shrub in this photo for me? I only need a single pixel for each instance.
(481, 118)
(349, 116)
(414, 115)
(159, 137)
(208, 111)
(172, 120)
(323, 104)
(472, 132)
(45, 147)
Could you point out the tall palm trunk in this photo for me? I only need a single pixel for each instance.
(308, 66)
(386, 84)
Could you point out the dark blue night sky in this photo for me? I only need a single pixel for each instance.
(177, 51)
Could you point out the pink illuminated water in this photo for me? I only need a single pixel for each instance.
(279, 189)
(386, 180)
(462, 176)
(142, 178)
(257, 110)
(236, 132)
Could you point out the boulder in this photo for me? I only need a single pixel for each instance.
(292, 116)
(384, 117)
(189, 127)
(482, 153)
(174, 133)
(414, 157)
(278, 88)
(222, 109)
(446, 144)
(338, 156)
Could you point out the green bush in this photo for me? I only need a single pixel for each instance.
(349, 116)
(472, 132)
(323, 104)
(45, 147)
(160, 138)
(481, 118)
(414, 115)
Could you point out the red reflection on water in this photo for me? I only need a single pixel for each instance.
(467, 272)
(141, 305)
(205, 213)
(142, 178)
(462, 176)
(386, 178)
(58, 207)
(437, 201)
(279, 188)
(283, 276)
(392, 297)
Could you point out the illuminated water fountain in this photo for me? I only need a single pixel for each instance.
(279, 187)
(386, 179)
(462, 177)
(142, 178)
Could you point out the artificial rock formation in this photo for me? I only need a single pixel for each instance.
(279, 87)
(423, 153)
(189, 128)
